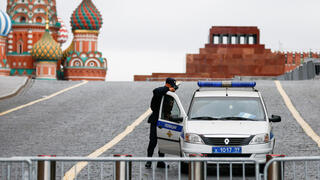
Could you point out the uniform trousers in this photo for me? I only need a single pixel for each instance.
(153, 139)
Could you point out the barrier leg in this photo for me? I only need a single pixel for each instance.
(196, 169)
(46, 169)
(123, 168)
(275, 171)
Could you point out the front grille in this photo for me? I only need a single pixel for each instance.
(218, 141)
(228, 155)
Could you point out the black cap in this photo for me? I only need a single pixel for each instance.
(172, 82)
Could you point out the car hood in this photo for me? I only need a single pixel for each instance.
(227, 127)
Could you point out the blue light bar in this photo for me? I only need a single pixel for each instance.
(225, 84)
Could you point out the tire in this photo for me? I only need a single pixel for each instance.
(184, 166)
(261, 168)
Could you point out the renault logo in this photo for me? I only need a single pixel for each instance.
(226, 141)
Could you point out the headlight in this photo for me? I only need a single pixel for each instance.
(193, 138)
(260, 139)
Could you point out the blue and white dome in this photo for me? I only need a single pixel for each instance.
(5, 24)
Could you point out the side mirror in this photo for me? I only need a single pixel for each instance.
(275, 118)
(176, 119)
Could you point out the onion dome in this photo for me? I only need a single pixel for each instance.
(46, 49)
(5, 24)
(86, 17)
(62, 33)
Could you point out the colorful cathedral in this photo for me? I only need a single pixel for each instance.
(31, 36)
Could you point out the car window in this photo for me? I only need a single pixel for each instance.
(215, 108)
(170, 108)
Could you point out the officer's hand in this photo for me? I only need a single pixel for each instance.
(172, 89)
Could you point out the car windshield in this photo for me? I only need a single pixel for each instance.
(226, 108)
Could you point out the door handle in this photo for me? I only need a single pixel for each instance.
(160, 127)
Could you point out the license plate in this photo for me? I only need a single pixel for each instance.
(226, 149)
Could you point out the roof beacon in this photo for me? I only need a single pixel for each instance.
(225, 84)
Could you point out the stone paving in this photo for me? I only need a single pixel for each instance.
(305, 96)
(82, 120)
(9, 85)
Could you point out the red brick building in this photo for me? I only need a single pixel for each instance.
(295, 59)
(231, 51)
(28, 27)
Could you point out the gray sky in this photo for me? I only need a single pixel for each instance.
(145, 36)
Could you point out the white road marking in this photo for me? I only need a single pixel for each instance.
(76, 169)
(42, 99)
(305, 126)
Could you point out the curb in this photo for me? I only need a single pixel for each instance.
(17, 90)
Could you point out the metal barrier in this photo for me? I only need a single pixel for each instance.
(25, 168)
(106, 167)
(296, 167)
(306, 70)
(15, 168)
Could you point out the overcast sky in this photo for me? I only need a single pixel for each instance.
(145, 36)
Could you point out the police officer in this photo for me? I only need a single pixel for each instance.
(158, 93)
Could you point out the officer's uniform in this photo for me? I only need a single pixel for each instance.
(158, 93)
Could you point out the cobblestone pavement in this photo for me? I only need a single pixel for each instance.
(82, 120)
(9, 85)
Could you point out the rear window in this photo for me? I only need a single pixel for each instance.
(226, 108)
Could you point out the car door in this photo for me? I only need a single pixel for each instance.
(170, 124)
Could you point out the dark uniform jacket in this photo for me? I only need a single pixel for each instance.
(158, 93)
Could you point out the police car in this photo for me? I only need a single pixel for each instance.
(225, 119)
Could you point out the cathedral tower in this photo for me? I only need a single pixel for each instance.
(28, 26)
(85, 62)
(5, 28)
(46, 52)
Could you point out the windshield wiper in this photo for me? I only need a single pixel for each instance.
(237, 118)
(205, 118)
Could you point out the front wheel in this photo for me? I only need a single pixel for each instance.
(261, 167)
(184, 166)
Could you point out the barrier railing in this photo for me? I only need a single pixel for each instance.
(294, 168)
(15, 168)
(125, 168)
(110, 168)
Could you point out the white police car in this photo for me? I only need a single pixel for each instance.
(225, 119)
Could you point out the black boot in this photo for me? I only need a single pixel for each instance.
(148, 165)
(161, 164)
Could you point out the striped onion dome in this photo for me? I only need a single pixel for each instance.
(62, 33)
(5, 24)
(46, 49)
(86, 17)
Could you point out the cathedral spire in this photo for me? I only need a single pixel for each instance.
(47, 19)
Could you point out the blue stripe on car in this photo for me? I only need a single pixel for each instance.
(169, 126)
